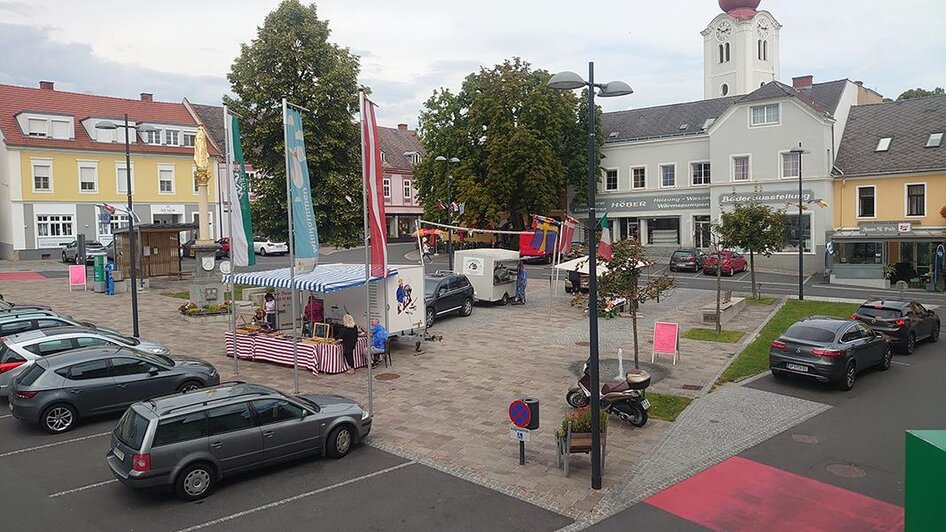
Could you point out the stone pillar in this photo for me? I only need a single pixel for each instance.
(206, 287)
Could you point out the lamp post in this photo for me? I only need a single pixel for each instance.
(799, 151)
(449, 160)
(132, 245)
(572, 81)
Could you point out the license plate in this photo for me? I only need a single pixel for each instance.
(646, 404)
(118, 454)
(796, 367)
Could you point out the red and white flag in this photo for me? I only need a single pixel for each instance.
(373, 174)
(604, 245)
(567, 234)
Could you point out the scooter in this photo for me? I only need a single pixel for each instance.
(625, 399)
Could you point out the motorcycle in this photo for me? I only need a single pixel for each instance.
(625, 399)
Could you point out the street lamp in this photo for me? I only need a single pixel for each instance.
(443, 159)
(799, 151)
(571, 81)
(132, 245)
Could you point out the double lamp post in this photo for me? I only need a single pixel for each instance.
(449, 160)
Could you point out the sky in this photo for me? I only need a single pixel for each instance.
(410, 48)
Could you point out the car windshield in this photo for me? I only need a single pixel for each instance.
(810, 334)
(120, 338)
(131, 429)
(156, 359)
(430, 286)
(681, 255)
(874, 312)
(94, 244)
(309, 402)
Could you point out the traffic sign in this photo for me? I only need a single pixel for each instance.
(520, 435)
(519, 414)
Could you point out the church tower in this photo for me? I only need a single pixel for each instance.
(740, 49)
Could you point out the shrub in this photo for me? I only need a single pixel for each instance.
(581, 421)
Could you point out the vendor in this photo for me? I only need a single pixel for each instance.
(314, 313)
(379, 335)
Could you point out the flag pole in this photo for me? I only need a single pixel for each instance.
(364, 197)
(292, 258)
(228, 176)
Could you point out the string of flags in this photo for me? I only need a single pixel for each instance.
(817, 202)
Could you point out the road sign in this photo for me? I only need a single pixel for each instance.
(519, 414)
(520, 435)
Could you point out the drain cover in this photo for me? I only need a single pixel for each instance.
(846, 471)
(387, 376)
(691, 387)
(805, 438)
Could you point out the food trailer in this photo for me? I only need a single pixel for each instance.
(492, 272)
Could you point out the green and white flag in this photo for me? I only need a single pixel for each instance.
(242, 227)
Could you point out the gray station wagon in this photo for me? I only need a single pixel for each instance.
(189, 442)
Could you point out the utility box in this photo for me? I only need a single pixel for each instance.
(925, 471)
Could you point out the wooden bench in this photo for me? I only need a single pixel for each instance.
(578, 442)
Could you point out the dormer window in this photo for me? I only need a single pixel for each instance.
(54, 127)
(189, 139)
(37, 127)
(935, 140)
(153, 137)
(384, 158)
(172, 137)
(884, 144)
(412, 156)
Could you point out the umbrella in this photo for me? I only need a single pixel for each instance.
(427, 231)
(581, 265)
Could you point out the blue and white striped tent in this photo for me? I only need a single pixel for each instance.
(324, 278)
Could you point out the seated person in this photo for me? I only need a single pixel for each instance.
(379, 335)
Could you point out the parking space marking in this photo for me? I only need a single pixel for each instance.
(48, 445)
(899, 363)
(83, 488)
(6, 416)
(743, 276)
(293, 498)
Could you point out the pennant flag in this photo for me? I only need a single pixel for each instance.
(441, 206)
(568, 233)
(305, 237)
(546, 233)
(454, 207)
(604, 246)
(819, 202)
(373, 175)
(462, 208)
(796, 205)
(241, 227)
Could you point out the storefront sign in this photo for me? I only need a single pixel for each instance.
(904, 227)
(166, 209)
(775, 197)
(881, 228)
(646, 202)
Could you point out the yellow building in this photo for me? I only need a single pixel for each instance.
(890, 193)
(62, 155)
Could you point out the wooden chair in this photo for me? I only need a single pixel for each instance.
(387, 353)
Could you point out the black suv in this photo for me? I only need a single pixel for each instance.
(905, 322)
(687, 260)
(447, 292)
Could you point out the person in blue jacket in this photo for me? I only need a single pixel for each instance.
(379, 335)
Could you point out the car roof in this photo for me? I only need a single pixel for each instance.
(50, 332)
(824, 322)
(28, 314)
(887, 303)
(179, 403)
(83, 354)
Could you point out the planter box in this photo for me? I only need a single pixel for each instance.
(206, 318)
(577, 442)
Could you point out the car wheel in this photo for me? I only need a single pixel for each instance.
(934, 336)
(195, 482)
(340, 441)
(467, 307)
(189, 386)
(850, 376)
(577, 399)
(58, 418)
(262, 251)
(885, 362)
(505, 299)
(430, 317)
(911, 343)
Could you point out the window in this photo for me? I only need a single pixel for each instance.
(740, 168)
(790, 163)
(153, 137)
(639, 177)
(668, 175)
(189, 139)
(407, 189)
(275, 410)
(790, 236)
(88, 177)
(172, 137)
(229, 418)
(611, 180)
(384, 158)
(765, 50)
(91, 341)
(759, 46)
(412, 156)
(54, 225)
(165, 179)
(131, 429)
(121, 178)
(42, 176)
(724, 90)
(118, 221)
(44, 324)
(93, 369)
(701, 173)
(194, 180)
(884, 144)
(764, 115)
(727, 52)
(130, 366)
(37, 127)
(866, 202)
(50, 346)
(62, 129)
(916, 200)
(935, 140)
(722, 54)
(386, 188)
(181, 429)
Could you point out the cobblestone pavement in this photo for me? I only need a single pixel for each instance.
(447, 406)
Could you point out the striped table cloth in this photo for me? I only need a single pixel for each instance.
(317, 358)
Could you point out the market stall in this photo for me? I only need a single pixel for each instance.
(314, 354)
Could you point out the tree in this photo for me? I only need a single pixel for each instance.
(628, 259)
(920, 93)
(291, 57)
(755, 227)
(520, 145)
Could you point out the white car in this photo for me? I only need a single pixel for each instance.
(17, 352)
(264, 246)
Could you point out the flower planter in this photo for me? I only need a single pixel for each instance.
(206, 318)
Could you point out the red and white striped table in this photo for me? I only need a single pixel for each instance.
(317, 358)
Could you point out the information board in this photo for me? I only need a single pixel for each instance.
(76, 276)
(666, 340)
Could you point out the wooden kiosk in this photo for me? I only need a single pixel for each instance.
(159, 246)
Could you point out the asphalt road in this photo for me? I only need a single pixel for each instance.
(63, 483)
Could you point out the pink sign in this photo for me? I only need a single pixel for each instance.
(77, 276)
(665, 337)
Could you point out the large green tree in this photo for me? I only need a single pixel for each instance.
(755, 227)
(292, 57)
(520, 145)
(920, 93)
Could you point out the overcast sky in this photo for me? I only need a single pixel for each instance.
(177, 48)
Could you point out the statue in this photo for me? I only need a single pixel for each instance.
(201, 159)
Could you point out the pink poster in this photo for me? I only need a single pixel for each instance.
(665, 337)
(77, 275)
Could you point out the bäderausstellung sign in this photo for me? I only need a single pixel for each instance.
(695, 200)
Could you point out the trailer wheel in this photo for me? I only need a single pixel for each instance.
(505, 300)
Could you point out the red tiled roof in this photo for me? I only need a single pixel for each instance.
(395, 142)
(15, 100)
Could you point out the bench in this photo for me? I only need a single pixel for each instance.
(727, 310)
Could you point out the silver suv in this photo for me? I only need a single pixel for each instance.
(190, 441)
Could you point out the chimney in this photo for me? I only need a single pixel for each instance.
(859, 83)
(402, 127)
(147, 97)
(802, 82)
(46, 85)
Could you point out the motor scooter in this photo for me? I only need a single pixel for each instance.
(624, 399)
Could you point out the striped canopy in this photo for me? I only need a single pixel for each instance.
(324, 278)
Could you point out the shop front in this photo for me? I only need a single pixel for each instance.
(879, 254)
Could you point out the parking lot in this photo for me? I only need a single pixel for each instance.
(63, 483)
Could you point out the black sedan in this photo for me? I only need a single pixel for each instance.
(829, 350)
(905, 322)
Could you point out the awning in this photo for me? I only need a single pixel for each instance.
(324, 278)
(915, 235)
(581, 265)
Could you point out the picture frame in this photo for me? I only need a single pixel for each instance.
(321, 330)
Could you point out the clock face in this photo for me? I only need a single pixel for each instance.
(762, 26)
(724, 31)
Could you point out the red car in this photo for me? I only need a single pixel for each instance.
(224, 244)
(732, 263)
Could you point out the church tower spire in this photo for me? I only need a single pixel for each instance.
(740, 49)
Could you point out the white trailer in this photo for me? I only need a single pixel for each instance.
(397, 302)
(492, 272)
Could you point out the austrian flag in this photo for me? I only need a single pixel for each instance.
(373, 174)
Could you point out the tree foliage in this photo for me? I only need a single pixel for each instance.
(292, 57)
(520, 145)
(754, 227)
(920, 93)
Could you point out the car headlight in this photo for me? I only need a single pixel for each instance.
(364, 413)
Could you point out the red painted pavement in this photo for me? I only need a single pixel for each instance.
(740, 494)
(21, 276)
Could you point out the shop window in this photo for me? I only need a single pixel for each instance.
(663, 231)
(790, 236)
(861, 253)
(866, 202)
(916, 200)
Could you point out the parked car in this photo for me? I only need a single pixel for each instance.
(191, 441)
(17, 322)
(58, 390)
(830, 350)
(447, 292)
(687, 260)
(19, 351)
(7, 307)
(264, 246)
(223, 247)
(905, 322)
(92, 249)
(732, 262)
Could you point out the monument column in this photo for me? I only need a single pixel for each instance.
(206, 287)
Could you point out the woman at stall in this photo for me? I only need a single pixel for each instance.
(348, 333)
(269, 307)
(314, 313)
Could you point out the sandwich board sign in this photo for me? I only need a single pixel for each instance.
(666, 340)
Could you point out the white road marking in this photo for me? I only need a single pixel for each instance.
(6, 416)
(743, 276)
(48, 445)
(899, 363)
(83, 488)
(293, 498)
